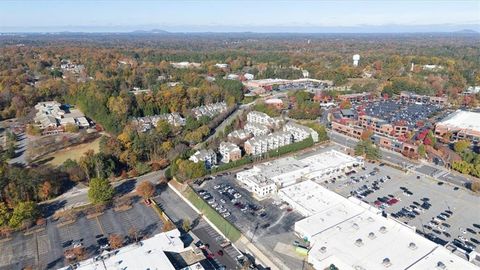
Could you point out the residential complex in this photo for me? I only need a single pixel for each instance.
(208, 156)
(52, 117)
(300, 132)
(210, 110)
(229, 152)
(239, 135)
(256, 129)
(262, 144)
(146, 123)
(263, 118)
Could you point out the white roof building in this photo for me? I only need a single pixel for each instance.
(248, 76)
(288, 171)
(351, 234)
(221, 65)
(149, 254)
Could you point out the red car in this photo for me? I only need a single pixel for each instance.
(392, 201)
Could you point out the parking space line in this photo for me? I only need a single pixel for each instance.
(100, 225)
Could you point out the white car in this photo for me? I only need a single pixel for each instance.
(227, 214)
(237, 195)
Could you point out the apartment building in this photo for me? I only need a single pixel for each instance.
(300, 132)
(239, 135)
(210, 110)
(146, 123)
(229, 152)
(262, 144)
(256, 129)
(208, 156)
(263, 118)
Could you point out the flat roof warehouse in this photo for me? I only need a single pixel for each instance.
(352, 235)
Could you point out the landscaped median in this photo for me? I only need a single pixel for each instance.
(232, 233)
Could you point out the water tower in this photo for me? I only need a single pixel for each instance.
(356, 58)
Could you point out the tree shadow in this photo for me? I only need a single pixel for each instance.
(55, 264)
(125, 187)
(49, 209)
(149, 229)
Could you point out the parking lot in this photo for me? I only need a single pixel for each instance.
(442, 212)
(398, 110)
(266, 223)
(46, 247)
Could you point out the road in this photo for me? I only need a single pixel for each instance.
(423, 168)
(79, 196)
(21, 150)
(225, 123)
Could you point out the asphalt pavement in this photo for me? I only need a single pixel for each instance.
(427, 169)
(79, 196)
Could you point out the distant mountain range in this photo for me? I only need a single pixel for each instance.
(391, 28)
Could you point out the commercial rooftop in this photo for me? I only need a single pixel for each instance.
(370, 241)
(462, 120)
(442, 259)
(309, 198)
(148, 254)
(353, 235)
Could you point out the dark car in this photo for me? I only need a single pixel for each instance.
(266, 225)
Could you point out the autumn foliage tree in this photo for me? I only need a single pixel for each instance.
(145, 189)
(115, 241)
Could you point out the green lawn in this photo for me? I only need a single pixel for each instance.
(232, 233)
(73, 152)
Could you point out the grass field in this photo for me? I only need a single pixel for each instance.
(232, 233)
(74, 152)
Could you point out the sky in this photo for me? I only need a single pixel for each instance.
(235, 15)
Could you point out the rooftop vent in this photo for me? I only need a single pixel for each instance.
(441, 265)
(386, 262)
(358, 267)
(359, 242)
(355, 226)
(412, 246)
(370, 219)
(371, 235)
(323, 249)
(383, 229)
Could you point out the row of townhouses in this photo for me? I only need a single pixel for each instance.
(146, 123)
(210, 110)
